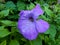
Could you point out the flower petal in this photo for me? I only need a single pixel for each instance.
(37, 11)
(27, 28)
(23, 14)
(42, 26)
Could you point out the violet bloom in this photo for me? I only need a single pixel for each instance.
(28, 24)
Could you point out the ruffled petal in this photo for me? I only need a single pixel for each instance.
(37, 11)
(42, 26)
(27, 29)
(24, 13)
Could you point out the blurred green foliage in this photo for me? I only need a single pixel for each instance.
(9, 15)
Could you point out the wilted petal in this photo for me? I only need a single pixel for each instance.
(42, 26)
(27, 28)
(37, 11)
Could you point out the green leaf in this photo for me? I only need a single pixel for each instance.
(10, 5)
(14, 42)
(38, 41)
(2, 6)
(4, 13)
(3, 43)
(48, 11)
(20, 6)
(58, 28)
(56, 8)
(31, 6)
(8, 23)
(1, 27)
(4, 32)
(14, 29)
(14, 17)
(51, 31)
(44, 18)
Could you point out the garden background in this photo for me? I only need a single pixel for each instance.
(9, 15)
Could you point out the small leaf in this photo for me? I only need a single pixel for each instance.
(38, 41)
(10, 5)
(48, 11)
(8, 23)
(51, 31)
(20, 6)
(3, 43)
(31, 6)
(56, 8)
(4, 13)
(2, 6)
(1, 27)
(44, 18)
(14, 42)
(14, 29)
(4, 33)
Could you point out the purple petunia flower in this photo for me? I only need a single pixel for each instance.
(28, 24)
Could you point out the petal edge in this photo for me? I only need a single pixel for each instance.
(42, 26)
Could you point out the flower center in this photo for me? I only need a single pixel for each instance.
(31, 19)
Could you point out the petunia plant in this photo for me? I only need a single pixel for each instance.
(28, 24)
